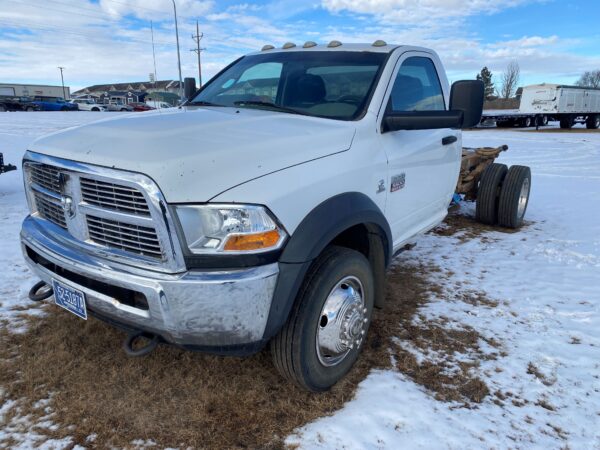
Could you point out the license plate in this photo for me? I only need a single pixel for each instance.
(73, 300)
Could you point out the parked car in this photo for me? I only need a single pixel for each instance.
(118, 106)
(85, 104)
(158, 104)
(264, 211)
(54, 104)
(17, 104)
(138, 106)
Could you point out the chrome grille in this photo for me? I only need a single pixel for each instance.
(49, 209)
(117, 214)
(113, 196)
(124, 236)
(45, 176)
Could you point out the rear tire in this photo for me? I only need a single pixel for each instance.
(95, 109)
(486, 206)
(541, 121)
(567, 123)
(526, 122)
(300, 351)
(514, 197)
(593, 122)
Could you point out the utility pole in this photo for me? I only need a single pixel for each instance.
(153, 53)
(62, 80)
(197, 39)
(181, 98)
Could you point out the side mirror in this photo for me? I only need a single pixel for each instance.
(189, 88)
(467, 96)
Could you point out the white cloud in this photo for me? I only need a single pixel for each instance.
(420, 12)
(110, 41)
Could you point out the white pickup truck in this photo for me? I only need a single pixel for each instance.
(265, 210)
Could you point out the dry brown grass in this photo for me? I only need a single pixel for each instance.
(180, 399)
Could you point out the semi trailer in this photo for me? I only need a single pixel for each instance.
(541, 103)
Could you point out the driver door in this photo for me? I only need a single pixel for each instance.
(423, 164)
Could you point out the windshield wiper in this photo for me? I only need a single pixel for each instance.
(269, 105)
(203, 103)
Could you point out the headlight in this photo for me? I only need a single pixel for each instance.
(229, 229)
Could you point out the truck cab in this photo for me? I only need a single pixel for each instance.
(265, 211)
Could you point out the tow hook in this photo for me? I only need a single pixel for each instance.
(40, 291)
(131, 339)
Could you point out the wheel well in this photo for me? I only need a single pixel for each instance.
(369, 240)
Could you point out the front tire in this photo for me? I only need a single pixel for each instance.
(328, 324)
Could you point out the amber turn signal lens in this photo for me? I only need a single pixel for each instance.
(256, 241)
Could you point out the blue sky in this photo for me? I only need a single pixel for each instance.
(105, 41)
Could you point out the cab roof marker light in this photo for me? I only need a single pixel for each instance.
(334, 44)
(309, 44)
(379, 43)
(267, 47)
(288, 45)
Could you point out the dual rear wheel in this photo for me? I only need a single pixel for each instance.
(503, 195)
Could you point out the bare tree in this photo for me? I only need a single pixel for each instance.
(510, 80)
(590, 79)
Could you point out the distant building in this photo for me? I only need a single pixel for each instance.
(33, 90)
(165, 90)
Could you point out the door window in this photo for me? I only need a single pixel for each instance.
(417, 87)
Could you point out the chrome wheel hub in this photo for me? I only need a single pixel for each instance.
(342, 322)
(523, 197)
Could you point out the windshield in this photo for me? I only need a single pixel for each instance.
(335, 85)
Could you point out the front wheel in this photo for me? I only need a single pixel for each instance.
(329, 321)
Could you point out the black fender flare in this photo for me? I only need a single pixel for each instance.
(313, 234)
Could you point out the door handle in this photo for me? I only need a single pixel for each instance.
(449, 140)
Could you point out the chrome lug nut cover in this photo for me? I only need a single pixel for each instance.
(342, 323)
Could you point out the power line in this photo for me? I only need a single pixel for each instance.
(95, 16)
(162, 11)
(77, 33)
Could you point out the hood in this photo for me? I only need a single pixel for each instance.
(195, 154)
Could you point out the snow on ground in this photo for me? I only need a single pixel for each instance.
(547, 281)
(17, 131)
(545, 386)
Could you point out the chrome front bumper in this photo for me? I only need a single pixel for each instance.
(217, 308)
